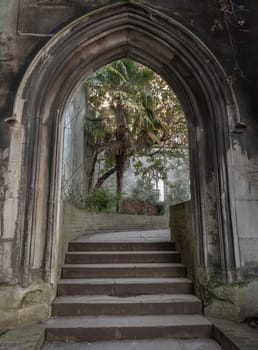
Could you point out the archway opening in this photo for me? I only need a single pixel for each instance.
(125, 145)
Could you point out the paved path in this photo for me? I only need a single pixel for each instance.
(157, 344)
(129, 236)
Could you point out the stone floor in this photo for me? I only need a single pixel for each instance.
(157, 344)
(234, 335)
(26, 338)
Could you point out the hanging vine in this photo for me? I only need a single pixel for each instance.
(231, 17)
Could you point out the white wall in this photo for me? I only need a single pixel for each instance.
(73, 152)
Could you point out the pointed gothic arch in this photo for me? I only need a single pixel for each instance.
(171, 50)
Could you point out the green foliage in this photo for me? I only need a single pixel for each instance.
(179, 191)
(144, 191)
(210, 286)
(207, 289)
(135, 113)
(101, 200)
(159, 162)
(72, 197)
(161, 207)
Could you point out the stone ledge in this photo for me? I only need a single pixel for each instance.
(235, 336)
(28, 338)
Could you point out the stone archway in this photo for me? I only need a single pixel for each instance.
(155, 40)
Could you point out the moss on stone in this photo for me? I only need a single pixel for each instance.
(234, 301)
(207, 288)
(240, 284)
(20, 306)
(32, 297)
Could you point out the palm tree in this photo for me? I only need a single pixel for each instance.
(129, 115)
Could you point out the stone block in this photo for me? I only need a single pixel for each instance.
(183, 235)
(32, 314)
(249, 252)
(247, 218)
(245, 177)
(246, 184)
(26, 338)
(8, 16)
(235, 301)
(89, 4)
(45, 20)
(7, 47)
(8, 319)
(6, 264)
(24, 306)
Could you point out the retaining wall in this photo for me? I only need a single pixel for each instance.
(77, 222)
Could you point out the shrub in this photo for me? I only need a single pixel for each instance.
(135, 207)
(179, 191)
(145, 200)
(145, 192)
(161, 208)
(101, 200)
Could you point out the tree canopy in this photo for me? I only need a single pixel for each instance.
(131, 111)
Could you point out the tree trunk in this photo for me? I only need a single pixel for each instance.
(120, 165)
(89, 166)
(104, 177)
(120, 156)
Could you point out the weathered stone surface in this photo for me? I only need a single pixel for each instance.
(8, 16)
(29, 338)
(161, 344)
(182, 233)
(8, 36)
(235, 301)
(223, 142)
(233, 335)
(129, 314)
(6, 248)
(77, 222)
(20, 306)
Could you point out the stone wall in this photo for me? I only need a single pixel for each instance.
(180, 221)
(23, 306)
(234, 301)
(26, 26)
(73, 171)
(77, 222)
(223, 127)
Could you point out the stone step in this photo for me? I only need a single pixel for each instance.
(138, 305)
(124, 286)
(94, 328)
(125, 290)
(139, 344)
(122, 270)
(119, 246)
(122, 257)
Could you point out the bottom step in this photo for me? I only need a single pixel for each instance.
(131, 327)
(152, 344)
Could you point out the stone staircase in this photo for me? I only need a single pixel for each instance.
(125, 290)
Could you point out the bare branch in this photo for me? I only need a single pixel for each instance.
(104, 177)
